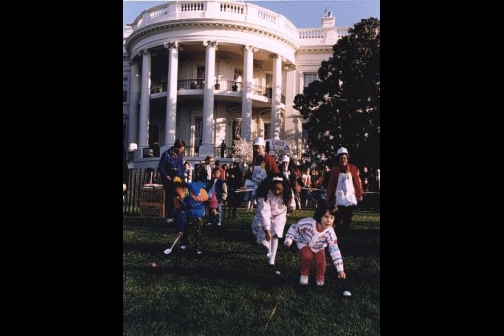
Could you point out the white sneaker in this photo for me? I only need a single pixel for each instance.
(219, 224)
(303, 280)
(169, 220)
(347, 293)
(208, 224)
(199, 252)
(271, 261)
(320, 283)
(183, 247)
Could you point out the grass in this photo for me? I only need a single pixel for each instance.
(232, 291)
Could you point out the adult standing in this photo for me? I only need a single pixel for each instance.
(209, 161)
(377, 180)
(344, 189)
(125, 172)
(264, 163)
(376, 187)
(222, 148)
(234, 182)
(247, 179)
(171, 164)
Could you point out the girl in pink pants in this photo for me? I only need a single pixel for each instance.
(312, 235)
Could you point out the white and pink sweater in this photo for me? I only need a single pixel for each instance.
(304, 233)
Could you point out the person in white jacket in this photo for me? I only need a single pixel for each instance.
(312, 235)
(274, 199)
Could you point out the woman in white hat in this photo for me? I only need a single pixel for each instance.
(264, 163)
(344, 189)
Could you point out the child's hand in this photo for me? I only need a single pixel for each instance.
(180, 234)
(268, 235)
(288, 243)
(341, 275)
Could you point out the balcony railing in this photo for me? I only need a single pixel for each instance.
(199, 84)
(190, 151)
(223, 10)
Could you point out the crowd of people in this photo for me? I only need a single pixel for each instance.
(195, 196)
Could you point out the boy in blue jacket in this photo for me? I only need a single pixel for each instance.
(189, 203)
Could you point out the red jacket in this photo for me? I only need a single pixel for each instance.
(333, 181)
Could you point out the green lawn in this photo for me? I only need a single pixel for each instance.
(231, 290)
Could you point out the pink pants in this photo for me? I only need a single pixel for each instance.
(306, 255)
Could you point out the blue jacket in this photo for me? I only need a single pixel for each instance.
(189, 207)
(168, 166)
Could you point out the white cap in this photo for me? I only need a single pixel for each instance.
(259, 142)
(285, 158)
(342, 150)
(132, 147)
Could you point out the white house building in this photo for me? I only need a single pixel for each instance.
(209, 71)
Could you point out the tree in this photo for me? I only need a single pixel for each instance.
(342, 108)
(242, 149)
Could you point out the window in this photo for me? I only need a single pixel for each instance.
(308, 78)
(198, 134)
(125, 89)
(154, 136)
(200, 75)
(267, 130)
(269, 85)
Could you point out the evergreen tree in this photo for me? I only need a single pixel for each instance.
(342, 108)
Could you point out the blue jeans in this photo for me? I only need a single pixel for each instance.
(216, 219)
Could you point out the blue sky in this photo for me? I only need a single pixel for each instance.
(302, 13)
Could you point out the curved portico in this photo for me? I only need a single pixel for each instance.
(210, 71)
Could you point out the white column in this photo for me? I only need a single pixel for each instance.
(276, 96)
(133, 103)
(171, 96)
(207, 145)
(289, 122)
(248, 77)
(143, 127)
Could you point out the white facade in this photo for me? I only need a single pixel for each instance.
(205, 71)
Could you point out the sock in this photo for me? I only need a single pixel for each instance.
(273, 250)
(266, 244)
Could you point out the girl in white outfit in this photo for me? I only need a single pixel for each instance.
(274, 199)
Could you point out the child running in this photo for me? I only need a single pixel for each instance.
(311, 236)
(274, 199)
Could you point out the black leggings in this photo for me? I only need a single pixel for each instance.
(346, 216)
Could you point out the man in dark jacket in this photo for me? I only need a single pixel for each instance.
(171, 164)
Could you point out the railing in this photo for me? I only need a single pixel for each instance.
(190, 151)
(224, 10)
(137, 178)
(191, 84)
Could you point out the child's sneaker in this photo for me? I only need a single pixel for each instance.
(303, 280)
(183, 247)
(320, 283)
